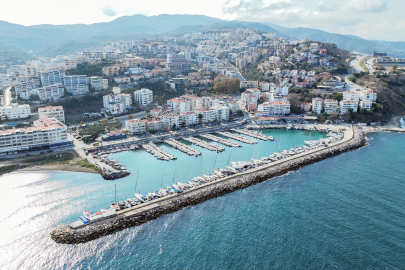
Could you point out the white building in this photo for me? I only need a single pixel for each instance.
(188, 118)
(52, 77)
(317, 105)
(98, 83)
(143, 96)
(26, 85)
(77, 90)
(249, 84)
(76, 84)
(56, 112)
(53, 92)
(366, 104)
(171, 121)
(179, 105)
(368, 95)
(116, 104)
(331, 106)
(352, 96)
(346, 104)
(135, 126)
(196, 102)
(274, 108)
(15, 111)
(282, 90)
(208, 115)
(221, 113)
(46, 132)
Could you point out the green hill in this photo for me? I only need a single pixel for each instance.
(9, 53)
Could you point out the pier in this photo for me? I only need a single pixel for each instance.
(353, 139)
(237, 137)
(204, 144)
(182, 147)
(157, 151)
(254, 134)
(220, 140)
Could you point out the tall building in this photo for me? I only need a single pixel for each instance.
(15, 111)
(143, 96)
(76, 84)
(56, 112)
(177, 63)
(317, 105)
(116, 104)
(52, 77)
(98, 83)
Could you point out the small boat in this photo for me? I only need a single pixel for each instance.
(115, 206)
(131, 202)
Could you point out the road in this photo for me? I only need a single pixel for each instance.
(355, 64)
(7, 96)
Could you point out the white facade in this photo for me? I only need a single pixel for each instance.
(15, 111)
(179, 105)
(188, 118)
(52, 77)
(171, 121)
(143, 96)
(274, 108)
(221, 113)
(98, 83)
(196, 102)
(369, 95)
(77, 90)
(45, 133)
(352, 96)
(317, 105)
(56, 112)
(331, 106)
(135, 126)
(366, 104)
(346, 104)
(282, 90)
(208, 115)
(249, 84)
(116, 104)
(76, 84)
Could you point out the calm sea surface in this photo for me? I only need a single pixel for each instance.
(347, 212)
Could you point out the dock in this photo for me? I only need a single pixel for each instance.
(237, 137)
(182, 147)
(204, 144)
(220, 140)
(157, 151)
(253, 134)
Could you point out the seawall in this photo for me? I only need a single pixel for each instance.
(146, 212)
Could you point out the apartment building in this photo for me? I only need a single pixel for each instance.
(15, 111)
(76, 84)
(179, 105)
(249, 84)
(45, 133)
(274, 108)
(56, 112)
(177, 63)
(317, 105)
(77, 90)
(208, 115)
(196, 102)
(135, 126)
(143, 97)
(155, 124)
(331, 106)
(98, 83)
(116, 104)
(52, 77)
(171, 121)
(351, 96)
(221, 113)
(368, 95)
(189, 118)
(26, 85)
(366, 104)
(344, 105)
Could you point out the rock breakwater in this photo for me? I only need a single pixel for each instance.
(67, 235)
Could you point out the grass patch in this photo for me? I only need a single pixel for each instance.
(10, 168)
(86, 164)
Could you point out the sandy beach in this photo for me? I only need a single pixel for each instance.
(58, 167)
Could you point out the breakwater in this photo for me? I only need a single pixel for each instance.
(143, 213)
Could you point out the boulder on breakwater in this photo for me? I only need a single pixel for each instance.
(67, 235)
(114, 175)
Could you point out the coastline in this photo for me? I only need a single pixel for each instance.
(58, 168)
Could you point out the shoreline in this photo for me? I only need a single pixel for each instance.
(57, 168)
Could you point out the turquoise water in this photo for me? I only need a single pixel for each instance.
(346, 212)
(154, 173)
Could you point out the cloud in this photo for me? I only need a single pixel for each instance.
(109, 11)
(370, 6)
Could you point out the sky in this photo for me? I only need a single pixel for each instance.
(370, 19)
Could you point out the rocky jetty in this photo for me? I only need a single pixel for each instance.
(113, 175)
(67, 235)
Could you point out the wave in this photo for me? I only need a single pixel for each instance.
(402, 122)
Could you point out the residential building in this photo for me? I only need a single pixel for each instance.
(305, 106)
(282, 90)
(208, 115)
(15, 111)
(366, 104)
(98, 83)
(26, 85)
(178, 84)
(352, 96)
(76, 84)
(122, 79)
(135, 126)
(143, 96)
(56, 112)
(116, 104)
(331, 106)
(45, 133)
(196, 102)
(317, 105)
(177, 63)
(249, 84)
(179, 104)
(347, 104)
(189, 118)
(221, 113)
(274, 108)
(52, 92)
(155, 124)
(77, 90)
(52, 77)
(171, 121)
(368, 95)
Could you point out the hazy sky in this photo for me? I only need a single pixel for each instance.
(371, 19)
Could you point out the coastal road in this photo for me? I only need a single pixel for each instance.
(7, 96)
(355, 63)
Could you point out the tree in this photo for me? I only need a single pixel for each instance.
(200, 117)
(233, 86)
(324, 115)
(149, 116)
(239, 113)
(338, 96)
(353, 79)
(350, 110)
(130, 117)
(394, 67)
(221, 84)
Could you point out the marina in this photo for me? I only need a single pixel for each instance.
(204, 144)
(220, 140)
(237, 137)
(182, 147)
(201, 188)
(157, 152)
(254, 134)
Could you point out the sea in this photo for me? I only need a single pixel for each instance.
(346, 212)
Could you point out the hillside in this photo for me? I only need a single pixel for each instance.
(9, 53)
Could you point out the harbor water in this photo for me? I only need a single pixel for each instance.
(345, 212)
